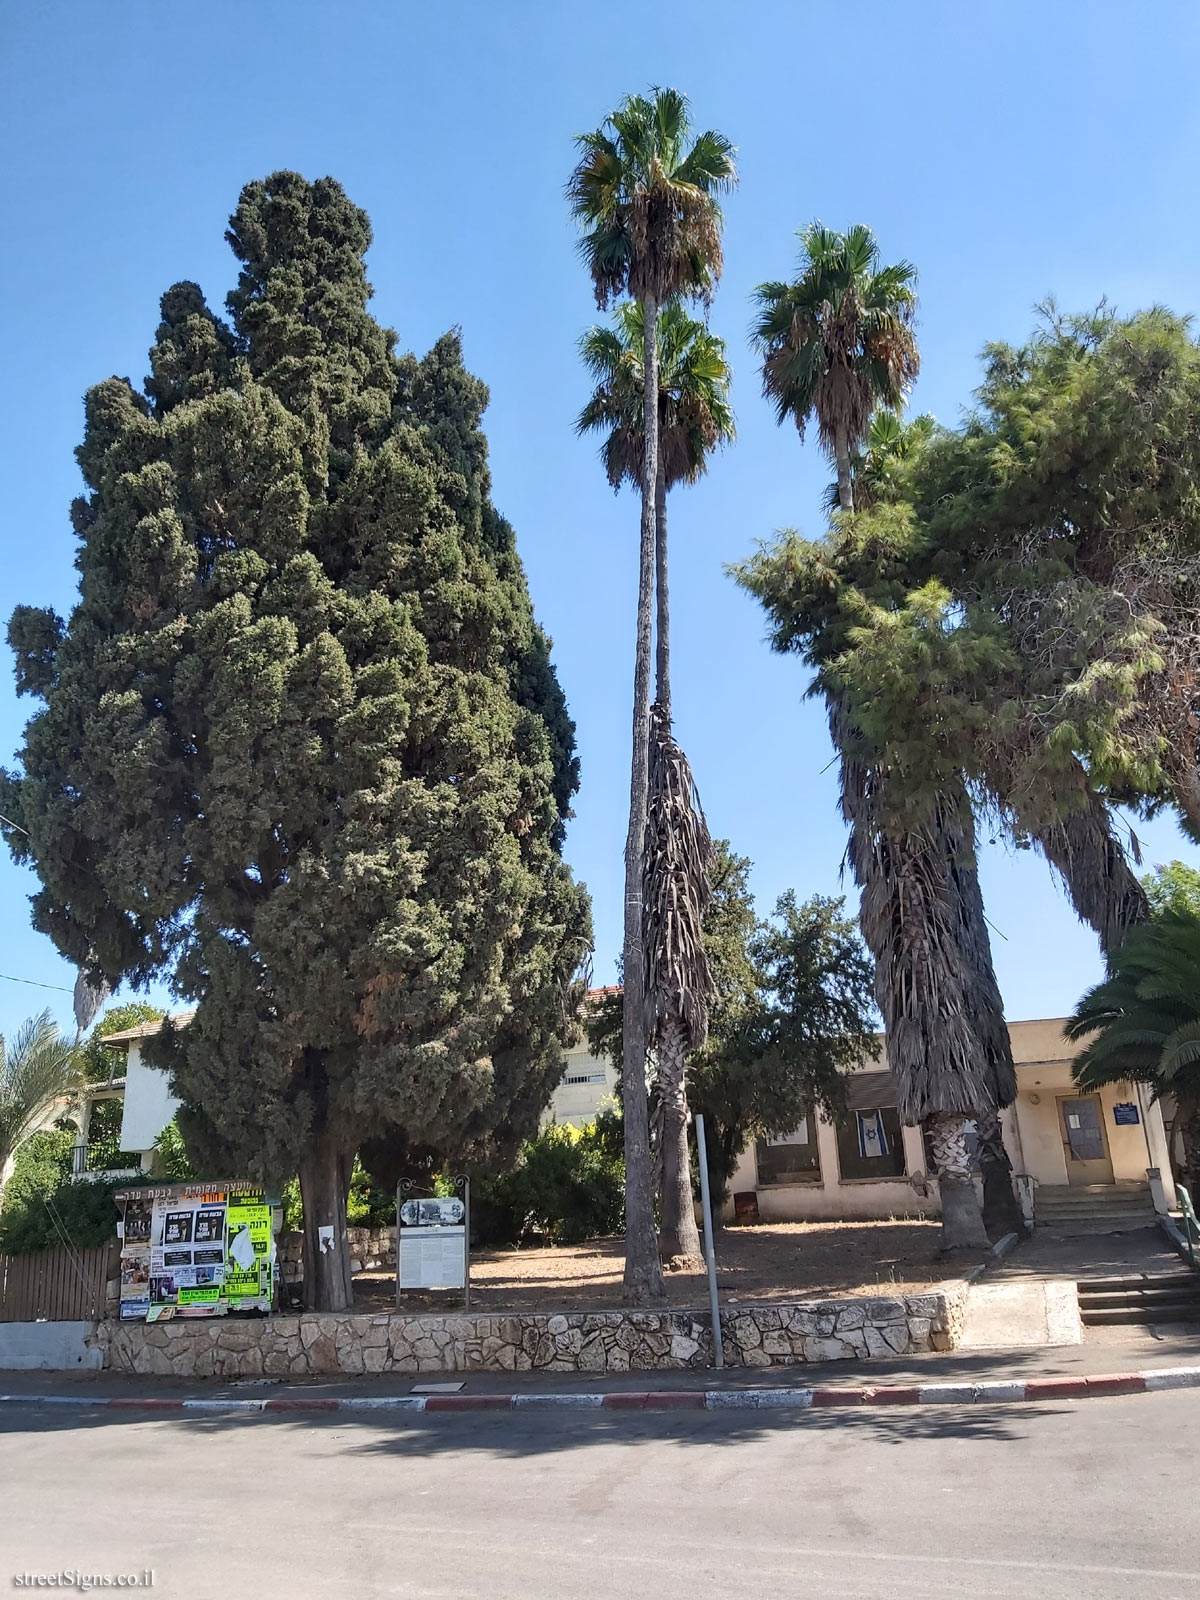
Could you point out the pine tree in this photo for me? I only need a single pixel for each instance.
(302, 748)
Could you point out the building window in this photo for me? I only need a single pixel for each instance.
(792, 1159)
(584, 1077)
(870, 1145)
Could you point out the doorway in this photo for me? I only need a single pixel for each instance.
(1081, 1122)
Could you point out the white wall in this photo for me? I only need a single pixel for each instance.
(149, 1103)
(578, 1103)
(49, 1347)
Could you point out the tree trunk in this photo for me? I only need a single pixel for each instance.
(962, 1221)
(1189, 1128)
(956, 824)
(1001, 1209)
(1083, 848)
(662, 631)
(841, 454)
(643, 1282)
(678, 1238)
(323, 1192)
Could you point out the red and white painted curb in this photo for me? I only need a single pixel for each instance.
(999, 1392)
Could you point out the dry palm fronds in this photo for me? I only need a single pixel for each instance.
(676, 891)
(924, 986)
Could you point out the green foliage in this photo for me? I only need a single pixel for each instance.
(793, 1013)
(1173, 890)
(1142, 1024)
(694, 413)
(38, 1068)
(104, 1139)
(644, 196)
(171, 1159)
(369, 1203)
(568, 1186)
(837, 341)
(1021, 596)
(41, 1204)
(301, 748)
(99, 1063)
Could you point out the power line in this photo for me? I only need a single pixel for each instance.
(36, 984)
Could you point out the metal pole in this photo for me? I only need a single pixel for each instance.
(709, 1253)
(466, 1244)
(399, 1202)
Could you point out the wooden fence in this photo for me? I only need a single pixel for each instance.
(59, 1285)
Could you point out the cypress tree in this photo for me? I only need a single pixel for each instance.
(302, 748)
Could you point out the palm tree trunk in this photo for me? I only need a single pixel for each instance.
(1083, 848)
(910, 919)
(1001, 1209)
(662, 631)
(962, 1221)
(841, 454)
(643, 1281)
(678, 1238)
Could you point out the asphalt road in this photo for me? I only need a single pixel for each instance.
(1088, 1500)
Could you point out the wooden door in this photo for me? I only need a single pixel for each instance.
(1085, 1148)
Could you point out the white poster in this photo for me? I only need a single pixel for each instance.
(432, 1258)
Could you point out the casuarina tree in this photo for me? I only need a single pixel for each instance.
(644, 195)
(694, 417)
(302, 751)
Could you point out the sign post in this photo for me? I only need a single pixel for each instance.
(433, 1239)
(709, 1253)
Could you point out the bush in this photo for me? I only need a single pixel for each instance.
(40, 1200)
(569, 1185)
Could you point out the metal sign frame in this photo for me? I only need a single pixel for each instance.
(407, 1189)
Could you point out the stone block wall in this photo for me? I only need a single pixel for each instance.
(369, 1248)
(350, 1344)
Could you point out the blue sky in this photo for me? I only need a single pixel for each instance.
(1010, 150)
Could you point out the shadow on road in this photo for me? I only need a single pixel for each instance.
(520, 1433)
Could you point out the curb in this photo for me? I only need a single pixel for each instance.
(999, 1392)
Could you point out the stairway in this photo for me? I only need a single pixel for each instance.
(1144, 1297)
(1093, 1208)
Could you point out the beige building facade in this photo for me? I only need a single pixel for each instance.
(870, 1166)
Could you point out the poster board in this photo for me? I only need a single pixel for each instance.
(433, 1240)
(195, 1250)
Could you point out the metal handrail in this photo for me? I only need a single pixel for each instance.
(1191, 1228)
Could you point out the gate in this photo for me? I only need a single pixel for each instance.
(58, 1285)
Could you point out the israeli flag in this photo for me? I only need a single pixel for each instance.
(872, 1140)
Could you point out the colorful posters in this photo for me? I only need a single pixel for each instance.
(249, 1251)
(196, 1251)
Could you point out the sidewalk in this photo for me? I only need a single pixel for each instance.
(1112, 1360)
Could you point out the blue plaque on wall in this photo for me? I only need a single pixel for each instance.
(1125, 1111)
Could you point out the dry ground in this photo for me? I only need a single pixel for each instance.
(772, 1261)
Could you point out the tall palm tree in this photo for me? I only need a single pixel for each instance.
(38, 1068)
(890, 440)
(644, 193)
(1143, 1021)
(925, 984)
(838, 341)
(694, 418)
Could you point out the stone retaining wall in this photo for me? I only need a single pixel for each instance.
(317, 1344)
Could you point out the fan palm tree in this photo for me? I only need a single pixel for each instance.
(1143, 1022)
(838, 341)
(889, 441)
(694, 418)
(38, 1068)
(644, 194)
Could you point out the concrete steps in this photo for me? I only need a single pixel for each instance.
(1094, 1208)
(1143, 1298)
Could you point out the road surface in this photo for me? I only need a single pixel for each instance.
(1091, 1500)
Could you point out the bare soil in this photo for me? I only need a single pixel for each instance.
(770, 1261)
